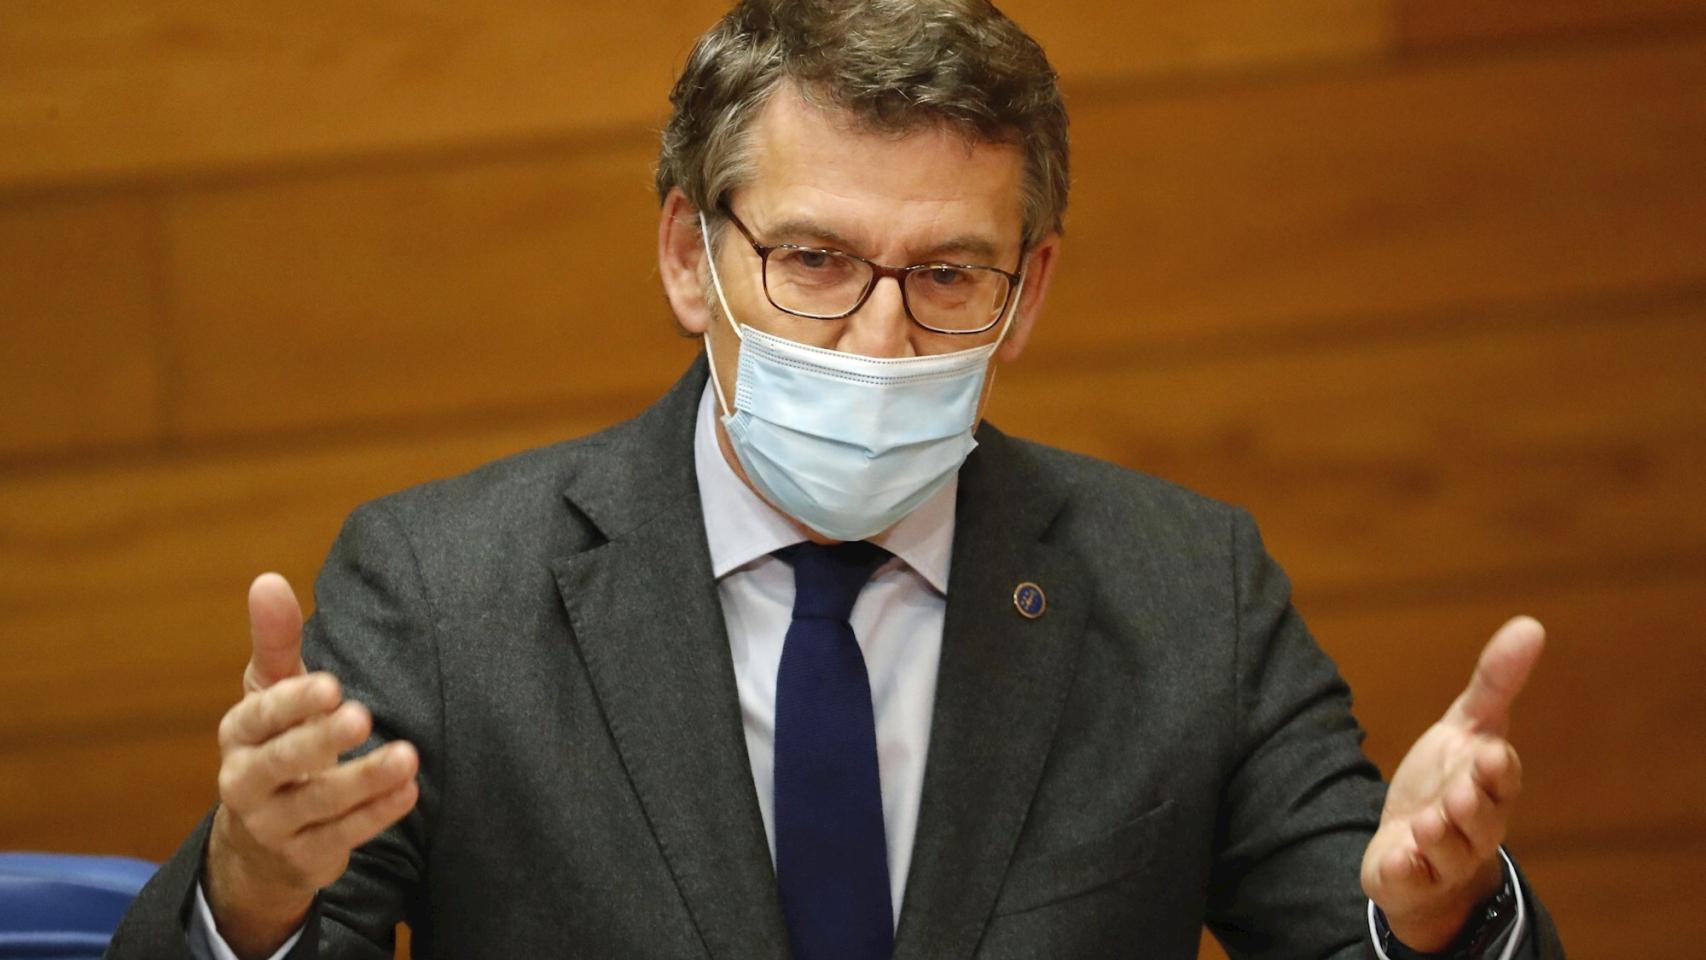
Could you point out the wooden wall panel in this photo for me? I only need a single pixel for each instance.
(123, 631)
(79, 352)
(111, 535)
(1092, 42)
(1500, 448)
(377, 296)
(1429, 24)
(108, 88)
(1389, 567)
(104, 88)
(1421, 283)
(1350, 201)
(1601, 729)
(1628, 900)
(117, 663)
(89, 796)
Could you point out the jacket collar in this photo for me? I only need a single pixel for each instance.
(1000, 691)
(648, 625)
(643, 606)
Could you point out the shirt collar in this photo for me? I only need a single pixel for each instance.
(741, 527)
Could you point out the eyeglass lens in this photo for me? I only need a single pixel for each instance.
(824, 283)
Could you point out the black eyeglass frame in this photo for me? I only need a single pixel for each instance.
(878, 272)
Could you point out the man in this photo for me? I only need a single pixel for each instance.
(784, 666)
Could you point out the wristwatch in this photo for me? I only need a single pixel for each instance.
(1487, 924)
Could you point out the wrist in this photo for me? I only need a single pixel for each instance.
(1490, 923)
(1437, 928)
(253, 913)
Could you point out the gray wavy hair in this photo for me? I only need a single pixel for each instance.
(894, 65)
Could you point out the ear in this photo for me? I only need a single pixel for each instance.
(1039, 273)
(681, 262)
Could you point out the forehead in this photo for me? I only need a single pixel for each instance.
(889, 191)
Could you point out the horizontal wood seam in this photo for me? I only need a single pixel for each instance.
(1082, 94)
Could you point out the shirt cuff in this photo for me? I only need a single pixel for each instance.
(1513, 936)
(207, 944)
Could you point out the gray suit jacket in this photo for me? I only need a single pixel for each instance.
(1165, 746)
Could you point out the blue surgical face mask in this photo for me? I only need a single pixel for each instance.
(847, 444)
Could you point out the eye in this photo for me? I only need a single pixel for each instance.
(812, 259)
(942, 275)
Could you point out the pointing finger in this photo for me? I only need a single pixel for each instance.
(275, 633)
(1503, 669)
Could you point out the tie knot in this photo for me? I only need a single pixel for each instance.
(828, 578)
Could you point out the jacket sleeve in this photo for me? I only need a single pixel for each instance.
(375, 630)
(1302, 800)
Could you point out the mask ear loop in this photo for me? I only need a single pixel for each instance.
(1006, 328)
(717, 284)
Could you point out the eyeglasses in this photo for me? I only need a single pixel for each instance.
(820, 284)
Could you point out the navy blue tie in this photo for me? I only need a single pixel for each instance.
(831, 859)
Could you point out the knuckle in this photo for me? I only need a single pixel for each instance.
(228, 726)
(230, 785)
(279, 760)
(321, 800)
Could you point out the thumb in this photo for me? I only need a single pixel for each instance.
(1503, 669)
(275, 633)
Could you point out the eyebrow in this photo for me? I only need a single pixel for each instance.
(798, 230)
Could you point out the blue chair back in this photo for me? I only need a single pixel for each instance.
(64, 907)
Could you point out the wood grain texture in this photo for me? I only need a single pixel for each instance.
(398, 295)
(1504, 446)
(1364, 200)
(1092, 42)
(105, 89)
(1435, 24)
(137, 795)
(79, 540)
(116, 664)
(1628, 900)
(1349, 205)
(79, 356)
(123, 631)
(1375, 467)
(1417, 492)
(1600, 728)
(1420, 282)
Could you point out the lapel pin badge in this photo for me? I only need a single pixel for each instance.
(1029, 600)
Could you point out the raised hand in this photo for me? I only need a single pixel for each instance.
(1435, 854)
(289, 812)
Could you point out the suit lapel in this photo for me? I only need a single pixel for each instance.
(1000, 690)
(648, 625)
